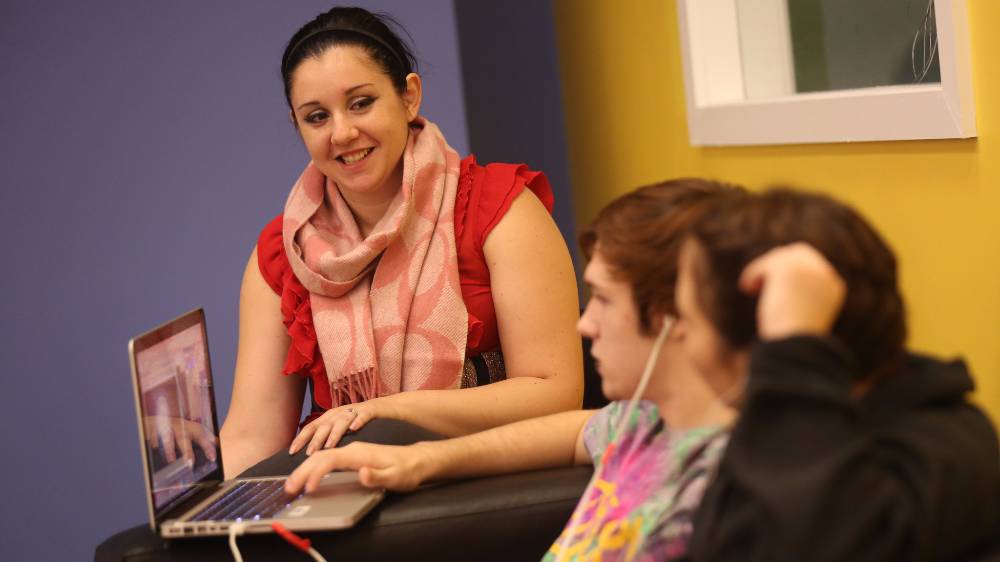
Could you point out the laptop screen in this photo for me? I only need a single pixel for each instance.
(177, 410)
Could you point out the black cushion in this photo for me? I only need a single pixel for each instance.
(509, 517)
(503, 518)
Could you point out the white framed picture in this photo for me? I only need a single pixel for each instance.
(810, 71)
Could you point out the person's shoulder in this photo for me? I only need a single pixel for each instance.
(921, 381)
(271, 256)
(501, 182)
(486, 192)
(269, 242)
(925, 406)
(954, 372)
(271, 230)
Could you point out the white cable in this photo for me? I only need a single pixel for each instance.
(236, 529)
(239, 528)
(316, 555)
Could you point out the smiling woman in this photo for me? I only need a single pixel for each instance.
(398, 271)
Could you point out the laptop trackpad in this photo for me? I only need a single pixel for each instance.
(340, 501)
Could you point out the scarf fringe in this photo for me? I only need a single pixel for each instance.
(355, 387)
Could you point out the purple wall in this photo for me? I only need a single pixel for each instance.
(144, 144)
(518, 120)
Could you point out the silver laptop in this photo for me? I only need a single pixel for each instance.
(179, 438)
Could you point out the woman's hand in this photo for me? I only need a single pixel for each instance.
(327, 430)
(799, 291)
(378, 466)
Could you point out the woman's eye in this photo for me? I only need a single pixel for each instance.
(315, 117)
(362, 103)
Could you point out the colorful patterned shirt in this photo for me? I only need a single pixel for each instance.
(641, 504)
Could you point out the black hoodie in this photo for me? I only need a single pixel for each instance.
(910, 472)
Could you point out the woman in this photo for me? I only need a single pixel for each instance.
(847, 447)
(651, 470)
(397, 272)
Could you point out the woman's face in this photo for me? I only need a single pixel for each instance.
(352, 119)
(611, 320)
(720, 365)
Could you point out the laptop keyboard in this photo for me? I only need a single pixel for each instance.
(252, 500)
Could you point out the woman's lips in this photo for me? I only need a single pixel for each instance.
(351, 158)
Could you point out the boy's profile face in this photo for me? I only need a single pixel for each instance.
(611, 320)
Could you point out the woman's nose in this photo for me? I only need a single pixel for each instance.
(344, 132)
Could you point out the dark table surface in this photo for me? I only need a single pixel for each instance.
(509, 517)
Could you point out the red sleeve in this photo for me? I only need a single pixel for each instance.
(271, 255)
(501, 185)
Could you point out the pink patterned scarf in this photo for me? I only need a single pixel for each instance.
(405, 326)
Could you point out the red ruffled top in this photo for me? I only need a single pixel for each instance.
(485, 193)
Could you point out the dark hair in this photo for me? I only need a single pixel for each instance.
(350, 26)
(639, 236)
(871, 322)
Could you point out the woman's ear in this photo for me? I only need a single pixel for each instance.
(291, 117)
(412, 96)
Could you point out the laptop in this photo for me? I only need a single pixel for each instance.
(182, 458)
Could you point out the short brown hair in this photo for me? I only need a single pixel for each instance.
(872, 321)
(639, 236)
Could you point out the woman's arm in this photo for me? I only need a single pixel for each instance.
(535, 298)
(266, 405)
(546, 442)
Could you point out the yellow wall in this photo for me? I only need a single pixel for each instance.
(937, 202)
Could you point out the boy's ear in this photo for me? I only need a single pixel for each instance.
(658, 321)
